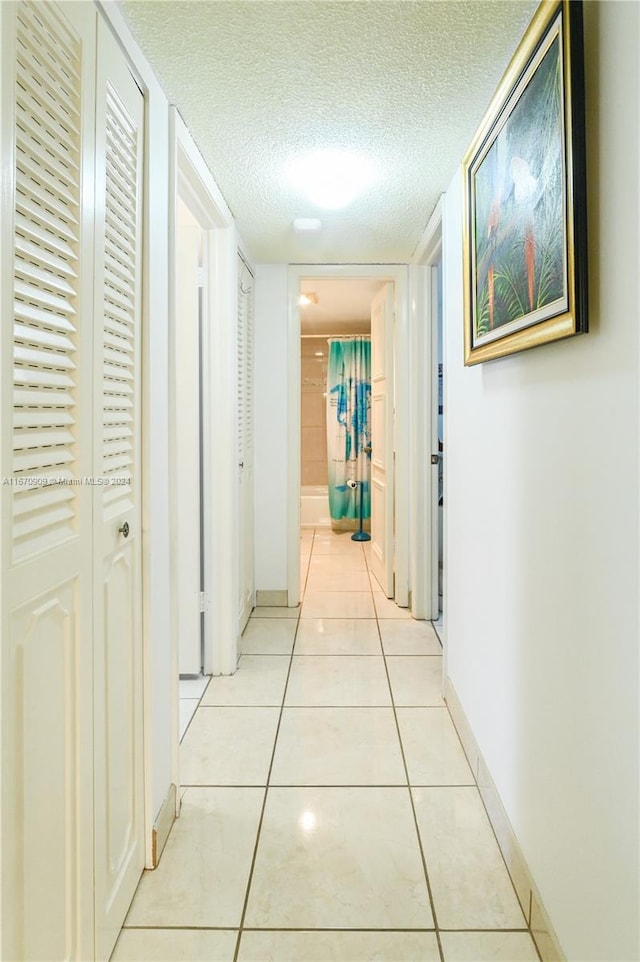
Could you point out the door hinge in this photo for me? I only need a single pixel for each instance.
(203, 601)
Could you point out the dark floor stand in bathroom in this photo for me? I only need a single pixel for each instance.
(359, 535)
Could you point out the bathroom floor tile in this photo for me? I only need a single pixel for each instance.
(386, 608)
(338, 746)
(338, 858)
(259, 680)
(406, 636)
(228, 746)
(470, 884)
(338, 947)
(488, 947)
(269, 636)
(432, 748)
(340, 680)
(338, 604)
(202, 876)
(169, 945)
(337, 636)
(416, 680)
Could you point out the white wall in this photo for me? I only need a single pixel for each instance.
(542, 545)
(271, 424)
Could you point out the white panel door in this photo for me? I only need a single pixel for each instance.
(187, 448)
(46, 371)
(245, 443)
(382, 460)
(119, 832)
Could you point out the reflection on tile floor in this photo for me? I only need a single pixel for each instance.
(329, 813)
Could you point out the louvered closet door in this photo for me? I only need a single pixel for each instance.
(47, 276)
(245, 441)
(119, 838)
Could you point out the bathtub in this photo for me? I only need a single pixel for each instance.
(314, 510)
(314, 506)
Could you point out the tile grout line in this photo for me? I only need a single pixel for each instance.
(411, 800)
(267, 785)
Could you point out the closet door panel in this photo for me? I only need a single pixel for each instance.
(119, 832)
(45, 573)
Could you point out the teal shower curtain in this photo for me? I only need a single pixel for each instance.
(349, 426)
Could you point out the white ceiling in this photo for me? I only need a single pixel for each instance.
(403, 83)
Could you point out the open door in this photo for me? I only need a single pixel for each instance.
(382, 453)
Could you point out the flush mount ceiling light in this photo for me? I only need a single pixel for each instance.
(331, 178)
(307, 298)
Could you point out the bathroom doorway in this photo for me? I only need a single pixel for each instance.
(340, 305)
(330, 308)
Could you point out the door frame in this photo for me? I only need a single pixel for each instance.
(190, 178)
(424, 386)
(399, 275)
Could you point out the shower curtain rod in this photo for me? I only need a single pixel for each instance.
(336, 337)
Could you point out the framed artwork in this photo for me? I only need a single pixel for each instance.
(525, 232)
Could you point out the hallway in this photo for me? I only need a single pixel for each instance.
(328, 810)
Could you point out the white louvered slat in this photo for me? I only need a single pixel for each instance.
(249, 375)
(245, 363)
(46, 246)
(119, 305)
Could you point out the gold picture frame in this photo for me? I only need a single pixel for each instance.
(524, 213)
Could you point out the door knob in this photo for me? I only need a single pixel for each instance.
(124, 529)
(367, 449)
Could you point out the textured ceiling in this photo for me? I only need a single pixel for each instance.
(259, 81)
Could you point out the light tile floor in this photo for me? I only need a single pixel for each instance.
(329, 813)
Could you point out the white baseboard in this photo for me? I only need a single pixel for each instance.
(537, 918)
(163, 824)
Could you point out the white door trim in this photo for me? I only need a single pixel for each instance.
(428, 253)
(398, 273)
(192, 180)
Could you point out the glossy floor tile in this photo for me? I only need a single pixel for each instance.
(404, 636)
(172, 945)
(260, 680)
(488, 947)
(470, 883)
(338, 604)
(432, 748)
(328, 680)
(339, 947)
(338, 858)
(325, 794)
(269, 636)
(228, 746)
(386, 608)
(338, 746)
(416, 679)
(338, 636)
(202, 876)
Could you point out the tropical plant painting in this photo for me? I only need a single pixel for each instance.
(519, 207)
